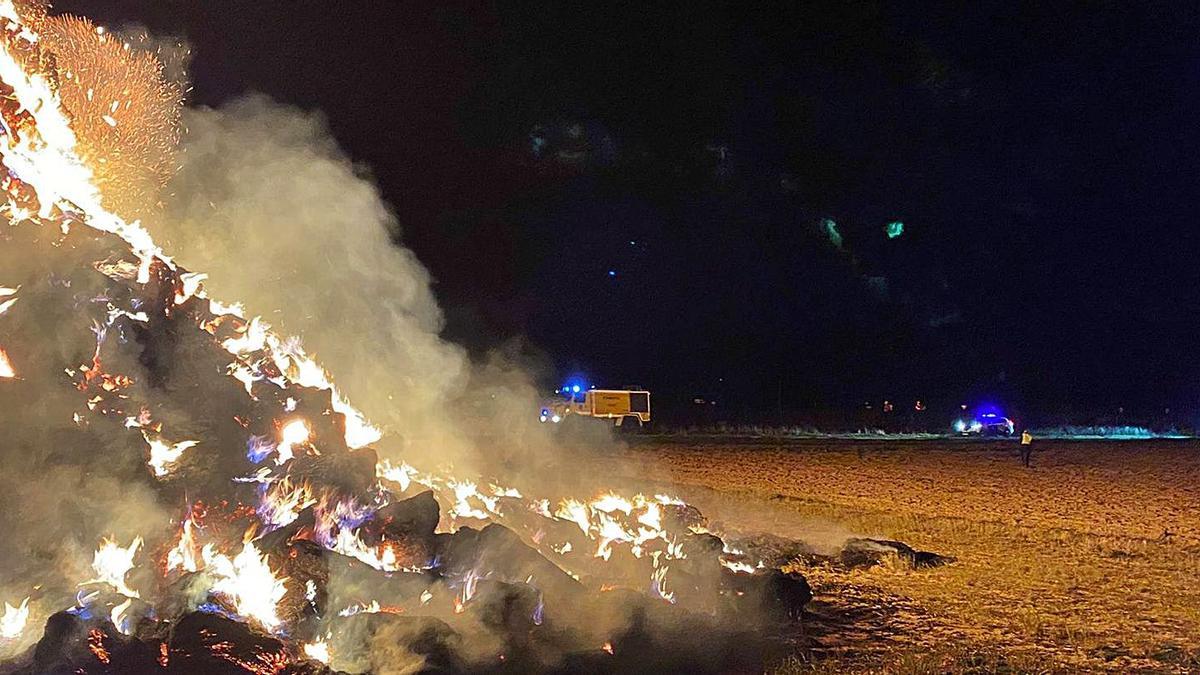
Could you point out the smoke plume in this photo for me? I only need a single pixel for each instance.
(282, 220)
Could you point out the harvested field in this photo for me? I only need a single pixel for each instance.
(1089, 560)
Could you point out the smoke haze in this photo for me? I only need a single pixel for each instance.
(279, 218)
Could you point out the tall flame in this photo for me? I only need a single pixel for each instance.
(112, 563)
(183, 556)
(247, 583)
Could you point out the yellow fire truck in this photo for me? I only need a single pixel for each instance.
(619, 405)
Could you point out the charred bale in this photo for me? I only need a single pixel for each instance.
(276, 542)
(346, 473)
(770, 594)
(395, 643)
(71, 644)
(857, 552)
(496, 552)
(353, 583)
(304, 564)
(208, 643)
(408, 528)
(775, 551)
(683, 517)
(644, 635)
(507, 609)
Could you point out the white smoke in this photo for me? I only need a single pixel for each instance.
(282, 220)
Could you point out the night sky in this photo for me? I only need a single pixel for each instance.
(640, 191)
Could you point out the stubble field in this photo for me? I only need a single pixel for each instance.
(1088, 561)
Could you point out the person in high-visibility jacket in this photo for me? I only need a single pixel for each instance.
(1026, 447)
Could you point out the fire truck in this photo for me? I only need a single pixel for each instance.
(624, 407)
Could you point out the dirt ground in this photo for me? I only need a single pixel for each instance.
(1087, 561)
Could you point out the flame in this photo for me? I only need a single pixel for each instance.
(466, 591)
(12, 623)
(610, 531)
(293, 433)
(183, 556)
(318, 651)
(738, 567)
(576, 512)
(462, 508)
(112, 562)
(9, 293)
(6, 366)
(247, 583)
(120, 617)
(189, 286)
(611, 502)
(658, 584)
(163, 454)
(402, 475)
(348, 542)
(283, 501)
(372, 607)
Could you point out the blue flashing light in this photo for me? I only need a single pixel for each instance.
(575, 383)
(612, 273)
(988, 410)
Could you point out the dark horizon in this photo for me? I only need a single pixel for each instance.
(641, 193)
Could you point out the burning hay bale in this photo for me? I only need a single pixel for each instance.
(270, 536)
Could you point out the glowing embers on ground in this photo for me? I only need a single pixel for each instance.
(12, 622)
(247, 583)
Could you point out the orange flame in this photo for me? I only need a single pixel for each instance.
(6, 367)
